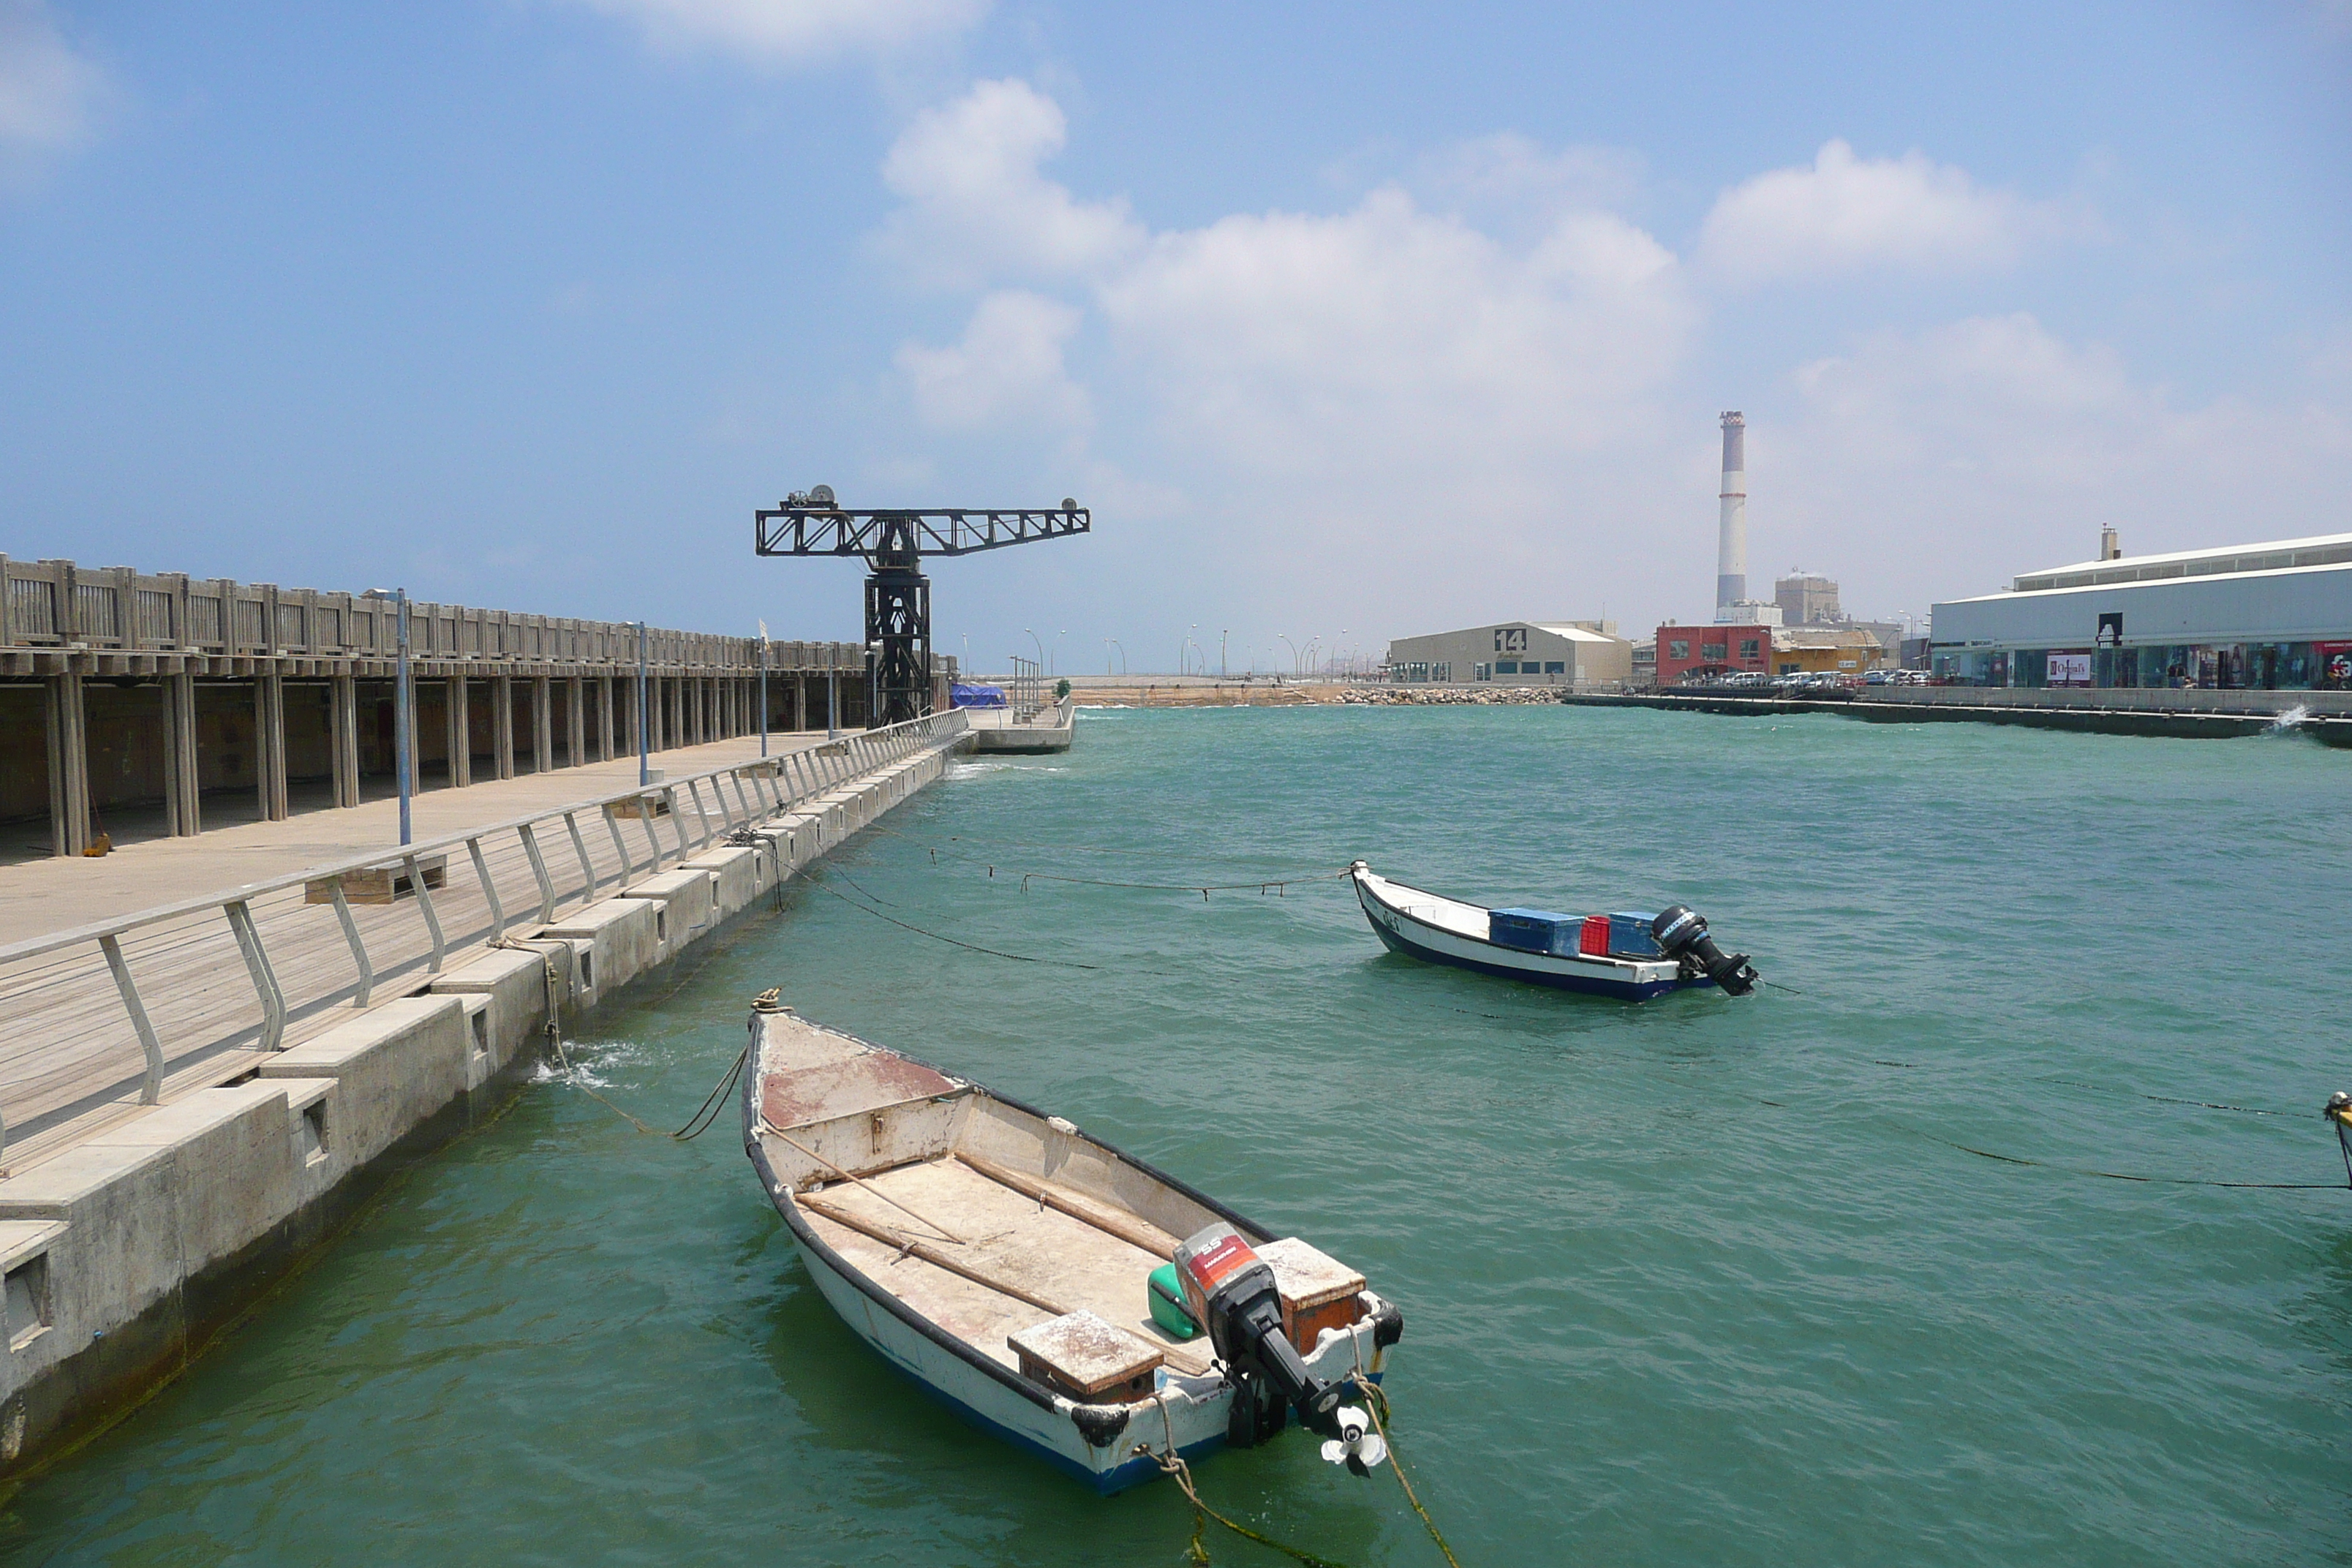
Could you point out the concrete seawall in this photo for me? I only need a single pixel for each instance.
(2201, 715)
(126, 1253)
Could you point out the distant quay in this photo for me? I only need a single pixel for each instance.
(2325, 716)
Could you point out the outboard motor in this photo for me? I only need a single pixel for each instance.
(1231, 1291)
(1681, 934)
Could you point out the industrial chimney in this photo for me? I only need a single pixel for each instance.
(1731, 548)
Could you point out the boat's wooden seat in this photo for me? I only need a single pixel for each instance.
(825, 1090)
(1007, 1237)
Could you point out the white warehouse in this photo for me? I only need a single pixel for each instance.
(2275, 616)
(1515, 653)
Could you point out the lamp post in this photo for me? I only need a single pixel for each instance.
(1034, 637)
(403, 740)
(1294, 665)
(645, 718)
(1222, 636)
(1055, 657)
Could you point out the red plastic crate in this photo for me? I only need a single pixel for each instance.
(1593, 940)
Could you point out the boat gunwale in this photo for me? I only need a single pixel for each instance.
(1360, 872)
(787, 1205)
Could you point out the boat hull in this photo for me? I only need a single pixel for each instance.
(1401, 931)
(1107, 1447)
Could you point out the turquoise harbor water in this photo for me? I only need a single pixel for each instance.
(1699, 1282)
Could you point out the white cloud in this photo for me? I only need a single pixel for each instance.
(47, 92)
(1007, 369)
(976, 205)
(1457, 416)
(1845, 214)
(789, 31)
(1390, 340)
(1944, 462)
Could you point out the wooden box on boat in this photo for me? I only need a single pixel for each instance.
(1093, 1362)
(1319, 1292)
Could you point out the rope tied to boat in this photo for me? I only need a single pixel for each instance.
(1172, 1465)
(1377, 1401)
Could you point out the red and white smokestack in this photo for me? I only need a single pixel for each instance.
(1731, 545)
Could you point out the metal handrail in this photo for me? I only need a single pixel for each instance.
(36, 946)
(772, 789)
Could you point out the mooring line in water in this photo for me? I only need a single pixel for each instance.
(1173, 1464)
(1376, 1400)
(2155, 1181)
(819, 882)
(1260, 885)
(2137, 1094)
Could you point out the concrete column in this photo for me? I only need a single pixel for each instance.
(343, 730)
(605, 717)
(575, 722)
(502, 724)
(68, 736)
(658, 711)
(461, 736)
(543, 724)
(269, 745)
(800, 702)
(182, 803)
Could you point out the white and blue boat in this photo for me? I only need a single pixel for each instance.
(1027, 1276)
(1633, 957)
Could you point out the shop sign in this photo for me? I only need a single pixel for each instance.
(2111, 629)
(2070, 669)
(2334, 662)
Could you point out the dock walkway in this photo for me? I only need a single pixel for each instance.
(73, 1061)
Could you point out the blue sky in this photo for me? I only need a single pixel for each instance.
(1349, 322)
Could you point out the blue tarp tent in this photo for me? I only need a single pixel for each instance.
(975, 696)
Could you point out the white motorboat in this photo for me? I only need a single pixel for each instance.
(1630, 957)
(1009, 1263)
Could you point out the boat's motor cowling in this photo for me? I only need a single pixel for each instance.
(1682, 934)
(1231, 1291)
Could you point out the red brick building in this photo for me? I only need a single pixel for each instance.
(1687, 653)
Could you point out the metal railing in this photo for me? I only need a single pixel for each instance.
(67, 1000)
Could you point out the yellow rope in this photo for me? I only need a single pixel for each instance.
(1376, 1403)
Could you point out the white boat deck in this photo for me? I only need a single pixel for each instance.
(1449, 914)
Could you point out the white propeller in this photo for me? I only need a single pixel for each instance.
(1358, 1446)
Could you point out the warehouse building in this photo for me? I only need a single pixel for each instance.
(1516, 653)
(2276, 615)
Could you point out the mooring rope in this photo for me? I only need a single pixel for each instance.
(1376, 1400)
(1173, 1464)
(1259, 885)
(2154, 1181)
(819, 882)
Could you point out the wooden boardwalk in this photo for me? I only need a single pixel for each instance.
(70, 1059)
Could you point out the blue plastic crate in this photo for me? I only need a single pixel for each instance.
(1533, 930)
(1629, 936)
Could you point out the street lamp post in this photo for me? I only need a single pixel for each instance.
(1294, 665)
(645, 720)
(1034, 637)
(1222, 636)
(404, 738)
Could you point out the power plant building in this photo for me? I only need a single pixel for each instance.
(2273, 616)
(1515, 653)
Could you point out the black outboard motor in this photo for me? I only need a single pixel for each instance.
(1682, 934)
(1230, 1290)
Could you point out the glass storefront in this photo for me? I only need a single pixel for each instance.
(2230, 667)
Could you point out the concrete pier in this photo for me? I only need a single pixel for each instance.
(2326, 716)
(195, 1092)
(139, 705)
